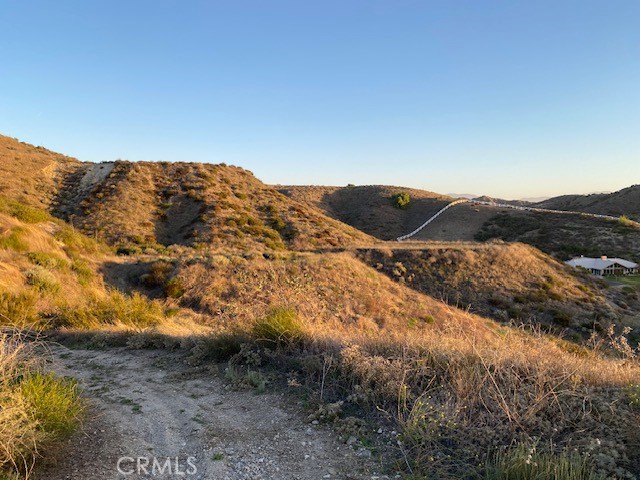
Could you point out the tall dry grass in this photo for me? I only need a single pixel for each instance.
(37, 409)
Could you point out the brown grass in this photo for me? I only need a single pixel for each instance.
(158, 204)
(369, 208)
(507, 282)
(31, 174)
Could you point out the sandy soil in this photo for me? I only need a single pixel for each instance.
(151, 404)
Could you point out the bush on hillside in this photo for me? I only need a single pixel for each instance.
(47, 260)
(23, 212)
(280, 326)
(15, 240)
(401, 200)
(116, 309)
(42, 280)
(18, 310)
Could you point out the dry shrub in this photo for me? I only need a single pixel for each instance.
(457, 393)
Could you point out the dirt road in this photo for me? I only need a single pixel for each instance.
(146, 405)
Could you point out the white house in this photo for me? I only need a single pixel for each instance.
(605, 266)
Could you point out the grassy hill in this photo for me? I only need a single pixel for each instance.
(508, 282)
(564, 236)
(370, 208)
(623, 202)
(216, 263)
(156, 204)
(32, 175)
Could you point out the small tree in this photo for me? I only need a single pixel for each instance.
(401, 200)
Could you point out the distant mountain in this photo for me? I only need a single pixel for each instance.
(519, 203)
(463, 195)
(534, 199)
(472, 196)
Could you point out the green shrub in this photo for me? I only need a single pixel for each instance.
(401, 200)
(158, 274)
(83, 271)
(633, 393)
(42, 280)
(562, 317)
(15, 240)
(23, 212)
(47, 260)
(278, 224)
(75, 241)
(128, 250)
(220, 347)
(54, 402)
(174, 288)
(526, 463)
(116, 308)
(18, 310)
(280, 326)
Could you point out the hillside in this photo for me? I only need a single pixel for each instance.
(157, 204)
(623, 202)
(508, 282)
(30, 174)
(369, 208)
(564, 236)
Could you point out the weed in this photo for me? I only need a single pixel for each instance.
(23, 212)
(116, 308)
(15, 240)
(82, 270)
(18, 310)
(280, 326)
(526, 463)
(47, 260)
(633, 393)
(174, 288)
(42, 280)
(54, 402)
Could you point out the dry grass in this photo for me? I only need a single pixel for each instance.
(623, 202)
(36, 409)
(369, 208)
(456, 386)
(29, 174)
(152, 205)
(507, 282)
(565, 236)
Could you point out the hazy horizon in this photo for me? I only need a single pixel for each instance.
(511, 100)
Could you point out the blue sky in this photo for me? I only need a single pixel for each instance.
(507, 98)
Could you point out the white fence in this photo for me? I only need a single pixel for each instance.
(503, 205)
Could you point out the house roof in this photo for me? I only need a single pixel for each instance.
(600, 263)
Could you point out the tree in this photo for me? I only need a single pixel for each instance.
(401, 200)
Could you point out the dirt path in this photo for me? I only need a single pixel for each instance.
(150, 404)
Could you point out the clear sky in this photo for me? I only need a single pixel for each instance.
(508, 98)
